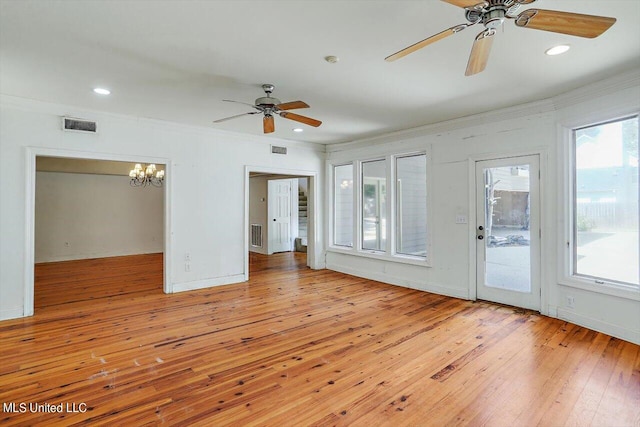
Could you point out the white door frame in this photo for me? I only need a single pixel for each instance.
(30, 206)
(313, 244)
(531, 299)
(546, 218)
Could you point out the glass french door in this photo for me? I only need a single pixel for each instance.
(508, 231)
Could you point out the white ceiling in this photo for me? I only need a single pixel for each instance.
(176, 60)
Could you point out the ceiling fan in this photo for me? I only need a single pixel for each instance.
(492, 14)
(270, 106)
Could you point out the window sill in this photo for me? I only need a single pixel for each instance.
(608, 288)
(382, 256)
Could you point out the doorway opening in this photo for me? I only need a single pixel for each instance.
(86, 223)
(508, 231)
(280, 217)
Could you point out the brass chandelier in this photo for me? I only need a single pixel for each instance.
(143, 176)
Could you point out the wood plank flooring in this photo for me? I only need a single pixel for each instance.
(298, 347)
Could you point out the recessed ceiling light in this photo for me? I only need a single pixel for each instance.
(557, 50)
(331, 59)
(101, 91)
(298, 130)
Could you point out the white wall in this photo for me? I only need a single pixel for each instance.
(206, 193)
(452, 148)
(303, 185)
(258, 194)
(81, 216)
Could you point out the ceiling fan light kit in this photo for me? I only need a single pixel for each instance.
(492, 15)
(270, 106)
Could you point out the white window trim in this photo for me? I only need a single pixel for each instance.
(566, 165)
(332, 205)
(394, 249)
(360, 224)
(390, 253)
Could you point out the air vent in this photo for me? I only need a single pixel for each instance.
(256, 235)
(278, 150)
(79, 125)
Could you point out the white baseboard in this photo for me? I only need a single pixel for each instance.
(600, 326)
(315, 264)
(208, 283)
(405, 283)
(108, 254)
(13, 313)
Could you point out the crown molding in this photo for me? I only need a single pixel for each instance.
(503, 114)
(619, 82)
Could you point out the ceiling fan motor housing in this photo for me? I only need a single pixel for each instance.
(494, 17)
(267, 101)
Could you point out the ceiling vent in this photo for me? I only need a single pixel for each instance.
(278, 150)
(79, 125)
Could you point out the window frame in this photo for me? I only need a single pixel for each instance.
(389, 254)
(567, 274)
(333, 206)
(396, 206)
(360, 225)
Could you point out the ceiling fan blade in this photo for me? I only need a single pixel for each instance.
(268, 124)
(238, 102)
(292, 105)
(574, 24)
(463, 3)
(480, 53)
(302, 119)
(426, 42)
(233, 117)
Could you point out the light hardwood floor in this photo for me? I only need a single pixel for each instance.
(297, 347)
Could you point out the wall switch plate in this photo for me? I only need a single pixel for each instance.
(187, 267)
(187, 256)
(461, 219)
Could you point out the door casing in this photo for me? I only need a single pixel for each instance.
(538, 269)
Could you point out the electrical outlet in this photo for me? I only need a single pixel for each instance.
(461, 219)
(571, 302)
(187, 266)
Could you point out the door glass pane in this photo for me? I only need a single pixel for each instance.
(343, 205)
(606, 201)
(374, 205)
(411, 205)
(508, 259)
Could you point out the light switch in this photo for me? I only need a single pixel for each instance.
(461, 219)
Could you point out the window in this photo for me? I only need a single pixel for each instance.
(380, 208)
(374, 205)
(411, 205)
(343, 205)
(605, 197)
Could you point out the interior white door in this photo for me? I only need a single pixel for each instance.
(279, 211)
(508, 231)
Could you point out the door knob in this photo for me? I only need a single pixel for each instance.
(480, 237)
